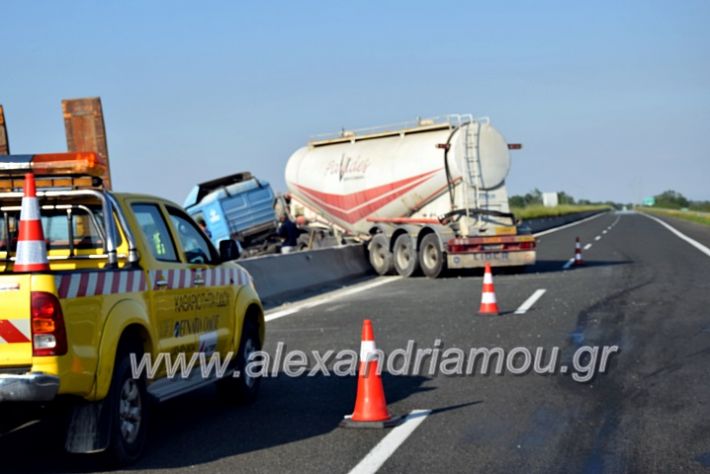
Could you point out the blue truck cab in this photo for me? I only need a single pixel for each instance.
(238, 206)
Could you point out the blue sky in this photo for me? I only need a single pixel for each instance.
(611, 100)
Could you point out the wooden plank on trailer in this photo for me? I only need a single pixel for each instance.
(4, 141)
(85, 129)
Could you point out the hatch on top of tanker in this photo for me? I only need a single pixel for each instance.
(53, 170)
(420, 125)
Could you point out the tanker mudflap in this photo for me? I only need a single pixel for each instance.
(497, 259)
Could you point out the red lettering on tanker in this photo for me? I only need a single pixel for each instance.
(348, 167)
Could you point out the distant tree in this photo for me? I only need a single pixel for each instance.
(517, 201)
(564, 198)
(701, 206)
(533, 197)
(671, 200)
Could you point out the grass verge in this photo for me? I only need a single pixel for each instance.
(536, 212)
(692, 216)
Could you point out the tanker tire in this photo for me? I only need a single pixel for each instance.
(380, 255)
(406, 260)
(431, 258)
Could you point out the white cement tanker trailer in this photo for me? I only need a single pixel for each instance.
(427, 196)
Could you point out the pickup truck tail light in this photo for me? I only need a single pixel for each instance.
(49, 336)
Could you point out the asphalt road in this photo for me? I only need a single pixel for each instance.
(642, 289)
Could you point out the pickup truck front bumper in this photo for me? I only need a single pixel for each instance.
(29, 387)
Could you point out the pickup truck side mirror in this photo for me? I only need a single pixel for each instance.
(228, 250)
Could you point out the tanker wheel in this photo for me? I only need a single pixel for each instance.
(406, 260)
(380, 255)
(431, 258)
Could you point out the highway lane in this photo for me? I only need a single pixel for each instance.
(694, 230)
(641, 288)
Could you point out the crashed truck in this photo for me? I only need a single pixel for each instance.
(426, 196)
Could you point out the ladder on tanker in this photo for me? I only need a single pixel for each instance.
(473, 164)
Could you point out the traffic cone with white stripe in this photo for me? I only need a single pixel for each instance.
(370, 404)
(578, 253)
(31, 255)
(488, 294)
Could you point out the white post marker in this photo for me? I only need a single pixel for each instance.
(389, 444)
(530, 301)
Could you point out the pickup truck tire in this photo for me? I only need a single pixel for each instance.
(380, 255)
(244, 388)
(406, 260)
(431, 258)
(129, 407)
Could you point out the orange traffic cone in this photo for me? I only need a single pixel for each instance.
(578, 253)
(370, 404)
(31, 255)
(488, 295)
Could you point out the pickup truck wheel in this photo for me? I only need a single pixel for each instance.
(243, 389)
(431, 258)
(129, 407)
(380, 255)
(406, 260)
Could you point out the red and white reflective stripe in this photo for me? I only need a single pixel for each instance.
(488, 298)
(29, 210)
(14, 331)
(30, 252)
(77, 285)
(367, 351)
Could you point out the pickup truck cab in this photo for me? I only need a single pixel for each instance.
(130, 277)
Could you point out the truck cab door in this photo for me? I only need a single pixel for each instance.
(215, 296)
(176, 329)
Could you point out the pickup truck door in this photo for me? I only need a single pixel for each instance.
(216, 294)
(176, 329)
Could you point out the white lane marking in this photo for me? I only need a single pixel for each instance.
(598, 237)
(588, 246)
(568, 264)
(604, 231)
(555, 229)
(530, 301)
(680, 235)
(389, 444)
(280, 312)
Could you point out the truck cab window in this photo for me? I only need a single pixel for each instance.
(197, 248)
(155, 231)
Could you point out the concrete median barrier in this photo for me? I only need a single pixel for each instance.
(282, 278)
(545, 223)
(290, 277)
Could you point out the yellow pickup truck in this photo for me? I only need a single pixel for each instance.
(128, 274)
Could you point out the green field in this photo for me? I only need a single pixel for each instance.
(538, 211)
(693, 216)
